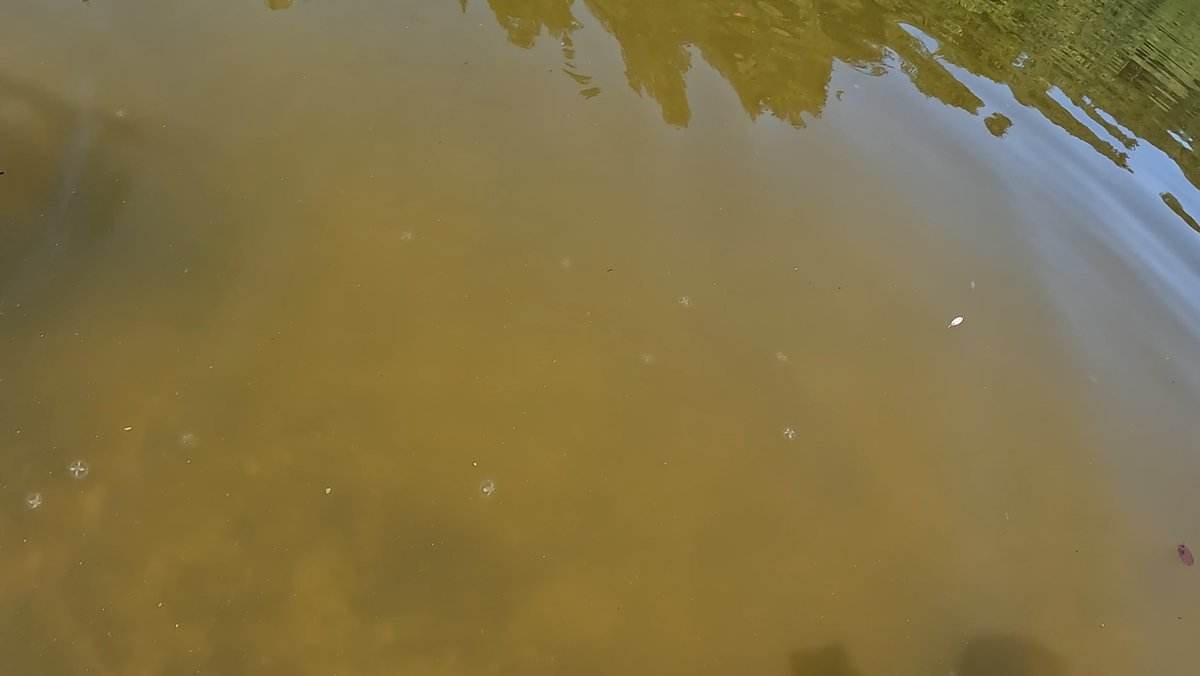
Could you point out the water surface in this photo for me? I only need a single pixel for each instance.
(599, 337)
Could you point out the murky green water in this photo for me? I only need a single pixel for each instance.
(600, 337)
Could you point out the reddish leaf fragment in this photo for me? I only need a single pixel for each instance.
(1185, 555)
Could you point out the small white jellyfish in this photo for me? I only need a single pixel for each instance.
(188, 440)
(647, 358)
(789, 433)
(781, 357)
(566, 262)
(406, 235)
(488, 487)
(685, 301)
(78, 469)
(33, 500)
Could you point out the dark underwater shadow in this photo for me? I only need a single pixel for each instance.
(62, 184)
(986, 655)
(1007, 655)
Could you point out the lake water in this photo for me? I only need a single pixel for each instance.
(530, 337)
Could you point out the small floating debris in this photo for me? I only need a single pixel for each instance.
(128, 428)
(78, 469)
(1185, 555)
(955, 322)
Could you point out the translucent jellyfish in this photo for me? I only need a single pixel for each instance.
(789, 433)
(33, 500)
(188, 440)
(78, 469)
(685, 301)
(488, 487)
(781, 357)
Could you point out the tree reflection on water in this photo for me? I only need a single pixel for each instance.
(1116, 60)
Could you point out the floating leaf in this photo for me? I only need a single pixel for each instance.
(1185, 555)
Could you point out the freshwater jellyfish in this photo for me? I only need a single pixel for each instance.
(488, 487)
(188, 440)
(78, 469)
(33, 500)
(781, 357)
(789, 433)
(685, 301)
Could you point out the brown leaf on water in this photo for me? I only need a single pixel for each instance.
(1185, 555)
